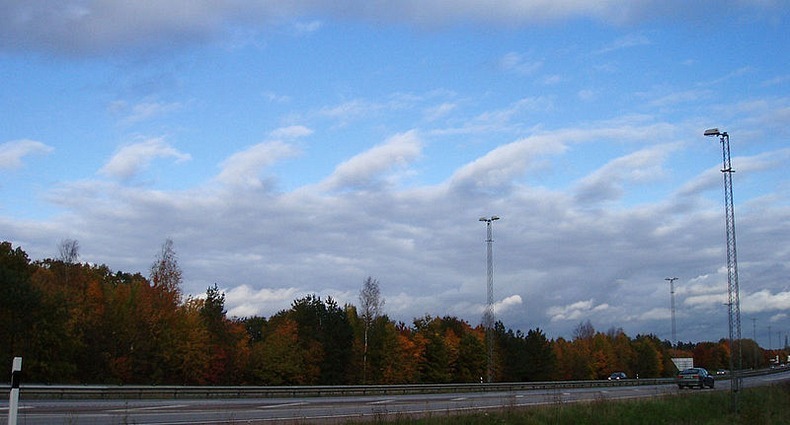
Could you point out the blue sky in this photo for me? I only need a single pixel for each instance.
(294, 148)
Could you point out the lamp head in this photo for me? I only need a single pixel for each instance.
(712, 132)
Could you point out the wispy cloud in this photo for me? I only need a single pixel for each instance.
(244, 168)
(143, 111)
(106, 27)
(607, 183)
(575, 311)
(12, 153)
(627, 42)
(291, 132)
(365, 169)
(131, 159)
(518, 63)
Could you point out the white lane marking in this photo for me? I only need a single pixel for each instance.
(274, 406)
(459, 399)
(4, 409)
(136, 409)
(381, 401)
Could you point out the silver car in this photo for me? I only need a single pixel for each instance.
(695, 377)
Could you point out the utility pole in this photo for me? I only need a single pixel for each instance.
(488, 316)
(733, 291)
(671, 281)
(754, 337)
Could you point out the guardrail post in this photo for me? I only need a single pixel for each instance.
(13, 396)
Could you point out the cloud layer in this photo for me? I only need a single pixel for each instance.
(88, 27)
(297, 147)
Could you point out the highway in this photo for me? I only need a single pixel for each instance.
(326, 410)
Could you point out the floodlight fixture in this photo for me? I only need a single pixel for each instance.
(733, 290)
(712, 132)
(488, 316)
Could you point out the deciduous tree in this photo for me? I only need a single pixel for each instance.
(166, 273)
(370, 308)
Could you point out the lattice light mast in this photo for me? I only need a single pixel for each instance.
(671, 281)
(733, 291)
(488, 316)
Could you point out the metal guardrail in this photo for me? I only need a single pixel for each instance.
(54, 392)
(207, 392)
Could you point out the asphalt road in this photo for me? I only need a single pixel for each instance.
(324, 409)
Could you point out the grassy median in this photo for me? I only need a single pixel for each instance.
(758, 406)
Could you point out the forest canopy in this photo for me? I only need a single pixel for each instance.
(80, 323)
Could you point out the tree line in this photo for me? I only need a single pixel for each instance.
(76, 322)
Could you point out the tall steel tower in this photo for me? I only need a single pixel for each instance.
(671, 281)
(733, 291)
(488, 316)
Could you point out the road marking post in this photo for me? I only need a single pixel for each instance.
(13, 397)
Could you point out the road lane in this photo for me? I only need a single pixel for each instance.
(325, 409)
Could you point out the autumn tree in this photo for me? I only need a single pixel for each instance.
(279, 359)
(580, 354)
(603, 356)
(166, 273)
(69, 251)
(83, 323)
(132, 350)
(563, 352)
(165, 296)
(370, 307)
(435, 364)
(624, 351)
(712, 355)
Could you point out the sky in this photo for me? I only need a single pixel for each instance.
(290, 148)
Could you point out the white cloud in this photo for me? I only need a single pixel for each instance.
(144, 110)
(505, 163)
(422, 243)
(505, 304)
(779, 317)
(12, 153)
(291, 132)
(93, 27)
(595, 162)
(575, 311)
(363, 170)
(551, 80)
(131, 159)
(516, 62)
(440, 111)
(764, 300)
(306, 28)
(248, 301)
(586, 95)
(607, 183)
(630, 40)
(655, 314)
(244, 168)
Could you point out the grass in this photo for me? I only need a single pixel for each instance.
(758, 406)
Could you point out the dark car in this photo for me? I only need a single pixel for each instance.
(695, 377)
(617, 376)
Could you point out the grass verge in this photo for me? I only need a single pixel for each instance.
(758, 406)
